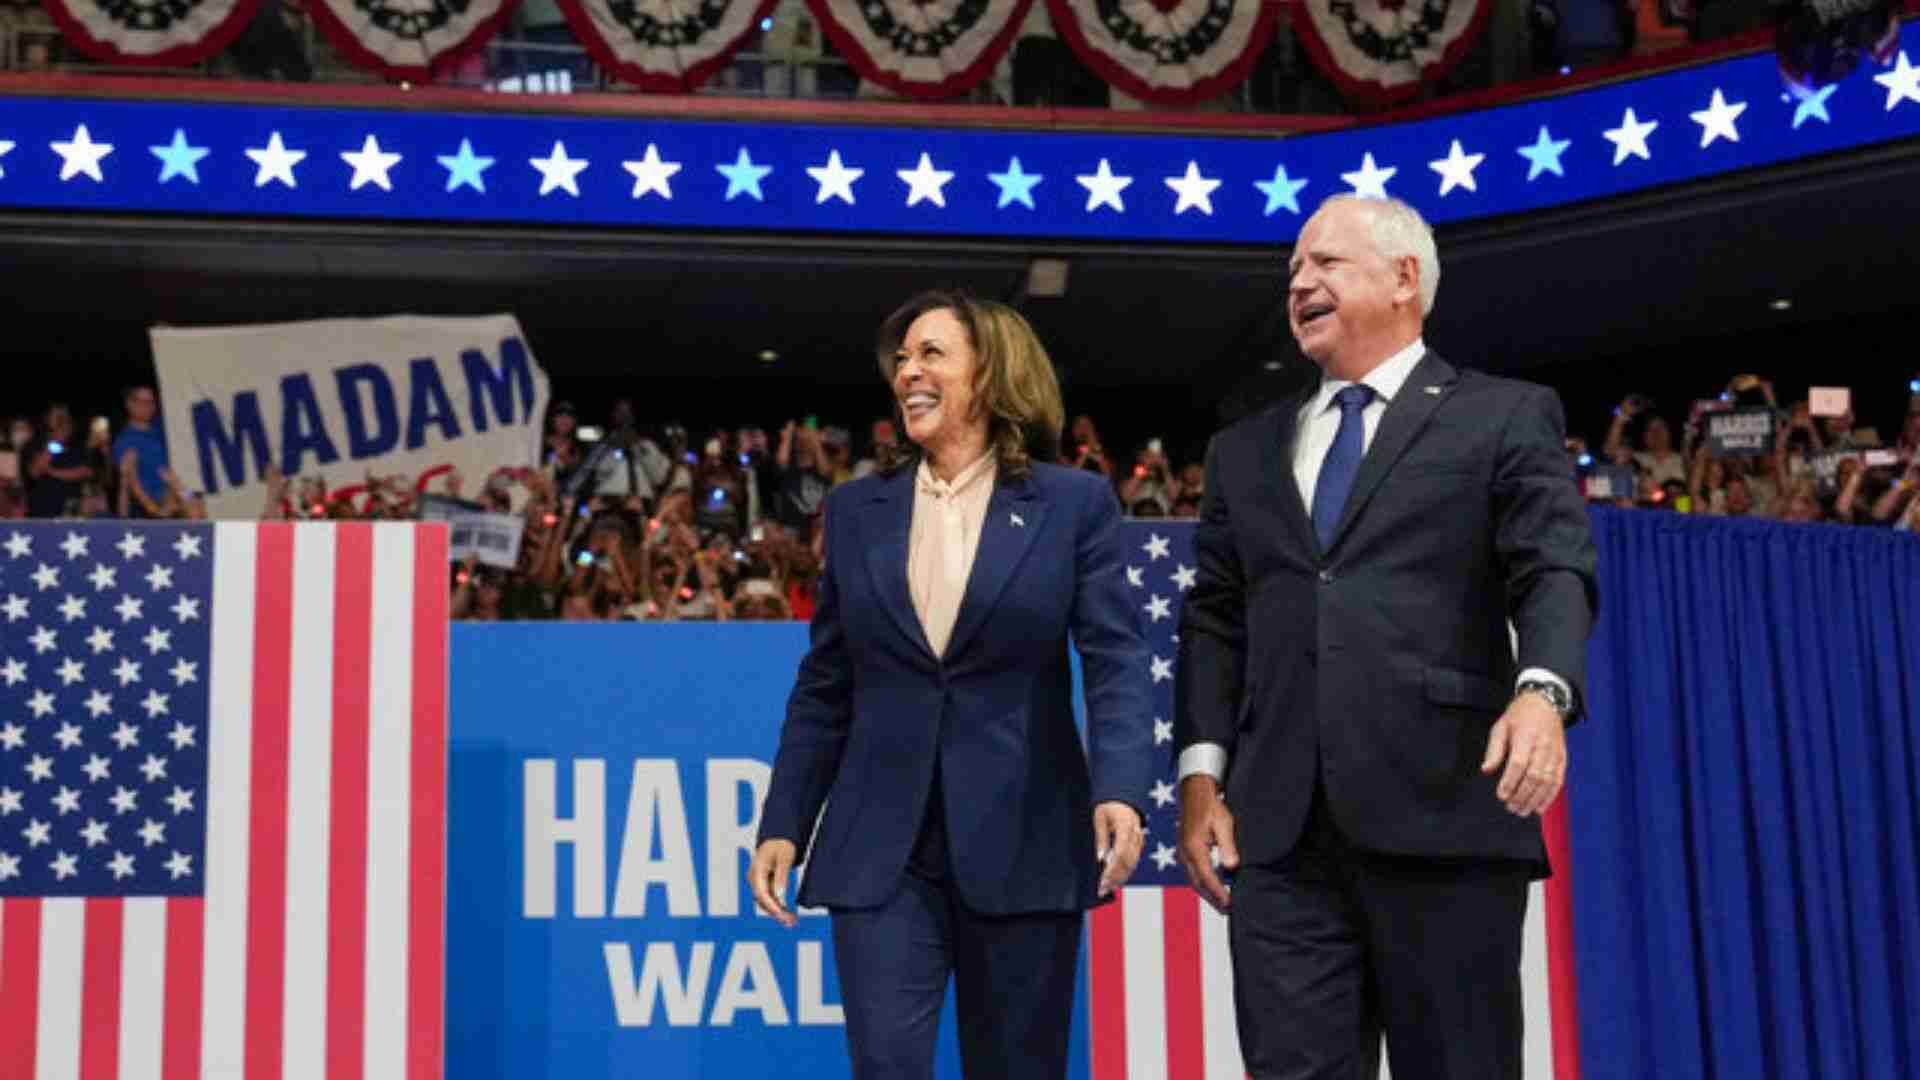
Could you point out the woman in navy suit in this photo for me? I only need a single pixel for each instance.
(966, 828)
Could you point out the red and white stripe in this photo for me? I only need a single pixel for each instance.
(318, 949)
(1161, 989)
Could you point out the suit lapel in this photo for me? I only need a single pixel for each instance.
(1279, 469)
(1429, 384)
(887, 524)
(1015, 515)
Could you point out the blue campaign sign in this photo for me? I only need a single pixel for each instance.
(605, 790)
(392, 164)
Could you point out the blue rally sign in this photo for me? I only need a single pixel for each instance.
(176, 157)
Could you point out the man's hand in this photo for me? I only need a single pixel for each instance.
(1532, 743)
(772, 862)
(1117, 840)
(1206, 825)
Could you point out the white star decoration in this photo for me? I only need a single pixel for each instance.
(1456, 169)
(46, 577)
(74, 545)
(1133, 577)
(80, 156)
(126, 736)
(180, 801)
(1104, 188)
(9, 866)
(558, 172)
(1194, 191)
(1162, 669)
(835, 179)
(1630, 138)
(276, 162)
(1902, 83)
(64, 866)
(1183, 577)
(1370, 180)
(925, 183)
(187, 547)
(14, 672)
(1716, 120)
(650, 174)
(1162, 731)
(1162, 794)
(16, 607)
(103, 577)
(1155, 547)
(132, 545)
(122, 865)
(124, 801)
(370, 165)
(1163, 856)
(19, 545)
(180, 865)
(160, 577)
(1157, 609)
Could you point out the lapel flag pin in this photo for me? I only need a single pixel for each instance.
(1019, 522)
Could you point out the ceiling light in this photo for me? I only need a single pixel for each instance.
(768, 356)
(1782, 304)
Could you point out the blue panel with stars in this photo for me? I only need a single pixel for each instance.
(1160, 570)
(206, 158)
(104, 644)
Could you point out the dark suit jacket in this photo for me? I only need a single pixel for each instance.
(1384, 661)
(874, 712)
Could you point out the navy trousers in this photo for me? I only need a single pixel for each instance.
(1013, 978)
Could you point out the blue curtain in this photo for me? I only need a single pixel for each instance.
(1745, 803)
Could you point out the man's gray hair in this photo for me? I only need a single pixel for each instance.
(1398, 232)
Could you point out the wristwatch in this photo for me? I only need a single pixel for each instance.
(1555, 694)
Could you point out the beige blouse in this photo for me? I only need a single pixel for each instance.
(945, 536)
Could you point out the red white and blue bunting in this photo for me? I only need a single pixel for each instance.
(164, 33)
(664, 46)
(1171, 52)
(409, 39)
(1380, 52)
(934, 49)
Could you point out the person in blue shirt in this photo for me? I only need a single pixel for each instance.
(140, 455)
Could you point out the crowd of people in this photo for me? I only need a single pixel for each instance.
(619, 521)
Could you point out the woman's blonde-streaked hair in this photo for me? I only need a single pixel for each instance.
(1013, 379)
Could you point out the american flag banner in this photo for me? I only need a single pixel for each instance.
(223, 755)
(1160, 988)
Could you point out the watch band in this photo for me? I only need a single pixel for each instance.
(1556, 696)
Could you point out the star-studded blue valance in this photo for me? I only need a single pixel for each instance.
(175, 157)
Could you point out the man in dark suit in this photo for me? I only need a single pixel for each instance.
(1349, 684)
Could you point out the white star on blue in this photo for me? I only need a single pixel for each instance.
(743, 177)
(466, 168)
(179, 159)
(1015, 186)
(1544, 154)
(1815, 107)
(1281, 191)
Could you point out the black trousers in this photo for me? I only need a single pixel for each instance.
(1013, 978)
(1333, 946)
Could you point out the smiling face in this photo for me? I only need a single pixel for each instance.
(1349, 306)
(933, 382)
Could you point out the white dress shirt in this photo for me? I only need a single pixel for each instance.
(1315, 427)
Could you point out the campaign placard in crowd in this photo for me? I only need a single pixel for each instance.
(340, 398)
(474, 531)
(1740, 432)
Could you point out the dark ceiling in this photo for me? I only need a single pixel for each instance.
(1604, 286)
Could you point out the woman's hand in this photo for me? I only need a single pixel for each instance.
(1117, 840)
(772, 861)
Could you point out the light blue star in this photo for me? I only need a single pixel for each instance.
(465, 168)
(744, 176)
(1815, 106)
(1015, 185)
(1281, 191)
(179, 159)
(1544, 154)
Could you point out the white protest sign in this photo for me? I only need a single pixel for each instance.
(339, 398)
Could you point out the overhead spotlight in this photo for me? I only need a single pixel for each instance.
(768, 356)
(1273, 365)
(1047, 278)
(1782, 304)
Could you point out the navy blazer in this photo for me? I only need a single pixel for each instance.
(873, 712)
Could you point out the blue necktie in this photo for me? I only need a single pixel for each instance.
(1342, 462)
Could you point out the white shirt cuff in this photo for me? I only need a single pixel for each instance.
(1541, 674)
(1208, 759)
